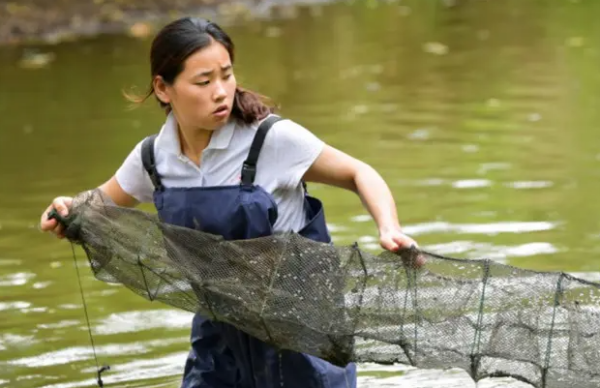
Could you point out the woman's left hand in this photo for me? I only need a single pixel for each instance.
(394, 240)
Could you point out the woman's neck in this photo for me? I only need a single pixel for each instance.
(193, 142)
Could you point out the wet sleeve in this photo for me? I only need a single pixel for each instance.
(133, 178)
(296, 149)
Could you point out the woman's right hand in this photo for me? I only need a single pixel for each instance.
(61, 204)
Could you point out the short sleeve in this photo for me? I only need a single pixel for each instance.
(296, 149)
(133, 178)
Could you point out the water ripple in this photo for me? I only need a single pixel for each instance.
(81, 353)
(135, 321)
(490, 228)
(530, 184)
(476, 250)
(477, 183)
(169, 365)
(8, 340)
(58, 325)
(16, 279)
(471, 183)
(18, 305)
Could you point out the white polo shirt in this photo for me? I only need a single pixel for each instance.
(288, 151)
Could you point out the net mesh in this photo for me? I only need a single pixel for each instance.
(343, 304)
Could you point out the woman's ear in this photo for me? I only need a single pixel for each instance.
(161, 89)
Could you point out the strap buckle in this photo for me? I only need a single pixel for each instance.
(154, 177)
(248, 174)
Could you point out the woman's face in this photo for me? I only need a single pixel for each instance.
(202, 95)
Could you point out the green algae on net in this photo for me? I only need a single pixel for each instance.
(344, 304)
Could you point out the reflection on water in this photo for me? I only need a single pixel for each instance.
(481, 116)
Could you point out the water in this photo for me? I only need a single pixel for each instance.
(481, 116)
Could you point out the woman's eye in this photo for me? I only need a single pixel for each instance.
(227, 76)
(203, 83)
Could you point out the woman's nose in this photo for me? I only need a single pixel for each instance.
(219, 92)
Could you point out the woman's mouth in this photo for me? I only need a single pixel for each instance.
(221, 111)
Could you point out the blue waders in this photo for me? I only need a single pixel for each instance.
(221, 355)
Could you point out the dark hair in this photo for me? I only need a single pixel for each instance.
(182, 38)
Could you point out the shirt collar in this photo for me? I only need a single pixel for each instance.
(168, 138)
(221, 138)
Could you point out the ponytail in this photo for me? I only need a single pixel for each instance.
(249, 106)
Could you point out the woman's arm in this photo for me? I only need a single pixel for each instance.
(333, 167)
(113, 189)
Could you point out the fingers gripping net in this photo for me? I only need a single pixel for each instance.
(343, 304)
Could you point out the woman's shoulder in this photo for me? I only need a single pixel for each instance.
(284, 130)
(289, 149)
(147, 148)
(289, 134)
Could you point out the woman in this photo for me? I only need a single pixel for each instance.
(223, 163)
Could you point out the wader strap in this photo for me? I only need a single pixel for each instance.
(249, 167)
(149, 162)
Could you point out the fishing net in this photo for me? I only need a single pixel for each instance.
(344, 304)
